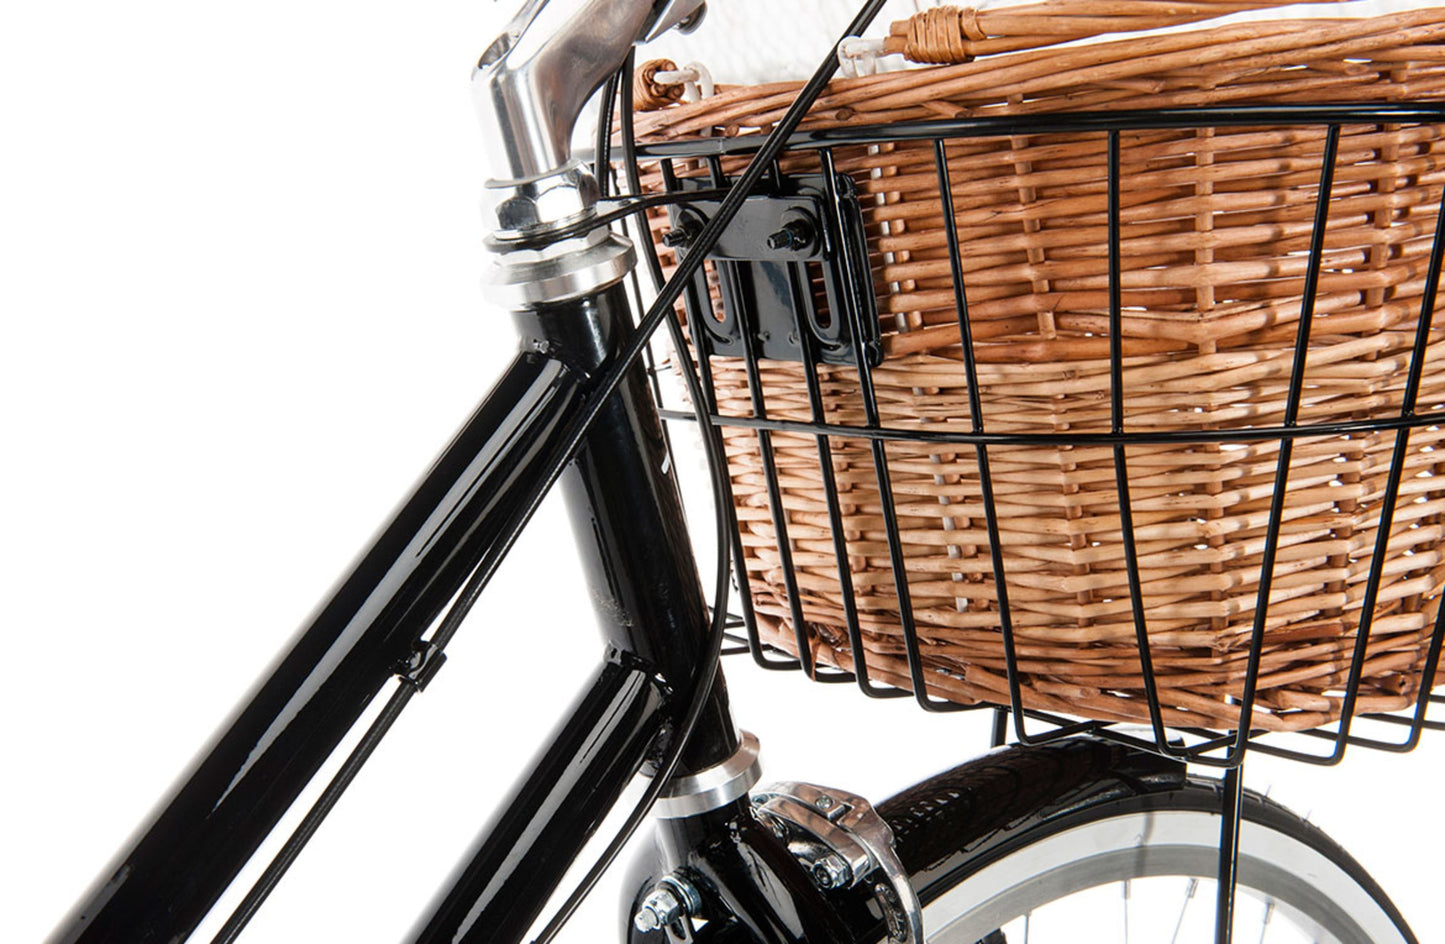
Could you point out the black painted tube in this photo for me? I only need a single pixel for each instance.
(502, 884)
(183, 858)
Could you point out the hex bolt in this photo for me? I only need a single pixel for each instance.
(676, 238)
(694, 20)
(795, 234)
(659, 909)
(832, 872)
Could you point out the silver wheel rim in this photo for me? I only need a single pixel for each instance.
(1297, 882)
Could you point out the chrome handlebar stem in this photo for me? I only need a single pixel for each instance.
(533, 81)
(530, 87)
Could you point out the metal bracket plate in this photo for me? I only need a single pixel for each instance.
(845, 843)
(792, 269)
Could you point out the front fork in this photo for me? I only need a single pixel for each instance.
(800, 863)
(749, 888)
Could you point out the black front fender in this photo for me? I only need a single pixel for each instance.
(753, 892)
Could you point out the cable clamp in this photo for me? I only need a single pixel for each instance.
(419, 668)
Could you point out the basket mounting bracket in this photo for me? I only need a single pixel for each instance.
(791, 269)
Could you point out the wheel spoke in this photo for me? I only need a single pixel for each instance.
(1268, 913)
(1188, 897)
(1126, 890)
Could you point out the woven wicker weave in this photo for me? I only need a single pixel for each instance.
(1216, 227)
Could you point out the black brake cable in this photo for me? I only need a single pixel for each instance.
(711, 435)
(612, 210)
(466, 598)
(602, 154)
(663, 306)
(717, 472)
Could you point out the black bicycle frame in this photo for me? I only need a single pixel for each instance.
(459, 521)
(559, 401)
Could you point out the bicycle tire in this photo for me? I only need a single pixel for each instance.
(1024, 828)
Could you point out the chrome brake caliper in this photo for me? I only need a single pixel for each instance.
(843, 843)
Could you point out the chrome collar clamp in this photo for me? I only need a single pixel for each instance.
(565, 271)
(534, 275)
(844, 843)
(713, 788)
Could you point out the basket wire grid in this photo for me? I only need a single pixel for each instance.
(681, 163)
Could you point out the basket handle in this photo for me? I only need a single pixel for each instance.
(946, 35)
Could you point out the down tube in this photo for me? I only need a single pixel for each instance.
(184, 856)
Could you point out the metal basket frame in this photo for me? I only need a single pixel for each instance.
(1219, 748)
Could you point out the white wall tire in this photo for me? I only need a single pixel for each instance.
(1304, 885)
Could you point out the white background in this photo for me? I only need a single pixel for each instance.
(239, 267)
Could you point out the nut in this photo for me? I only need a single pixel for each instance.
(832, 872)
(795, 235)
(529, 207)
(658, 910)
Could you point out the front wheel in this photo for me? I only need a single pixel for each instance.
(1081, 842)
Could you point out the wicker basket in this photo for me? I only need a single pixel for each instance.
(1216, 226)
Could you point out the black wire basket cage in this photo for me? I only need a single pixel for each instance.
(1032, 460)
